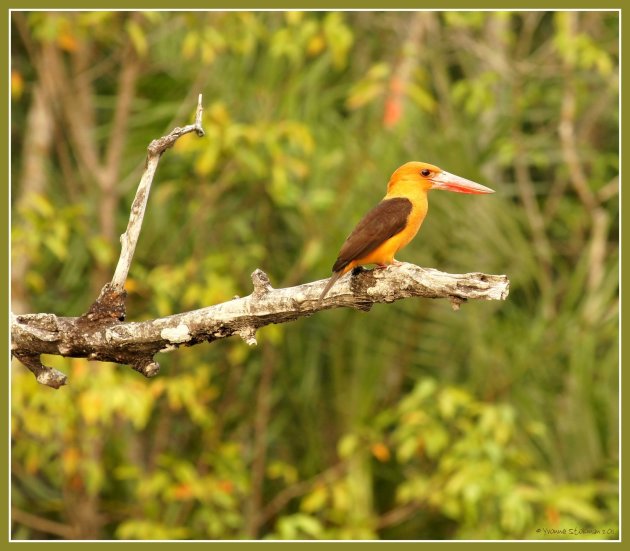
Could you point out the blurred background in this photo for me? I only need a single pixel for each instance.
(412, 421)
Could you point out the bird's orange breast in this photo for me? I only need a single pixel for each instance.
(384, 253)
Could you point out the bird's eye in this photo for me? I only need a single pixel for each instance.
(425, 172)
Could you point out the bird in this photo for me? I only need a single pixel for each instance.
(395, 221)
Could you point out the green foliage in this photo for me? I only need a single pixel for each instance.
(499, 421)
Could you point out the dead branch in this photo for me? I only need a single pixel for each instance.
(111, 301)
(136, 343)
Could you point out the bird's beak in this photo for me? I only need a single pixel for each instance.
(449, 182)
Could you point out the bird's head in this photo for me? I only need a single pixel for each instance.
(432, 177)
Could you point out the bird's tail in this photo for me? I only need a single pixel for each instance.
(331, 282)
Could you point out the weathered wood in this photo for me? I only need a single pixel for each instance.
(111, 303)
(136, 343)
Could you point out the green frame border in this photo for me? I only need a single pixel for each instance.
(260, 6)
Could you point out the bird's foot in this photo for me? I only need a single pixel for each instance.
(394, 262)
(359, 269)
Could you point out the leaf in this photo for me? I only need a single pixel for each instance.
(435, 439)
(315, 500)
(91, 407)
(284, 471)
(363, 93)
(138, 37)
(190, 45)
(407, 449)
(381, 452)
(421, 97)
(339, 38)
(94, 477)
(347, 445)
(308, 525)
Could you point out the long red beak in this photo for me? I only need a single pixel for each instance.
(449, 182)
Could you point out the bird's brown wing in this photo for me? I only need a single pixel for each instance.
(385, 220)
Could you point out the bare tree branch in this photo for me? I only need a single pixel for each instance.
(111, 301)
(136, 343)
(130, 238)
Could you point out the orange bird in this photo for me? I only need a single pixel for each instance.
(394, 222)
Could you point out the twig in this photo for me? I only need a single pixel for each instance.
(609, 190)
(566, 129)
(130, 238)
(42, 525)
(397, 515)
(137, 343)
(290, 492)
(111, 301)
